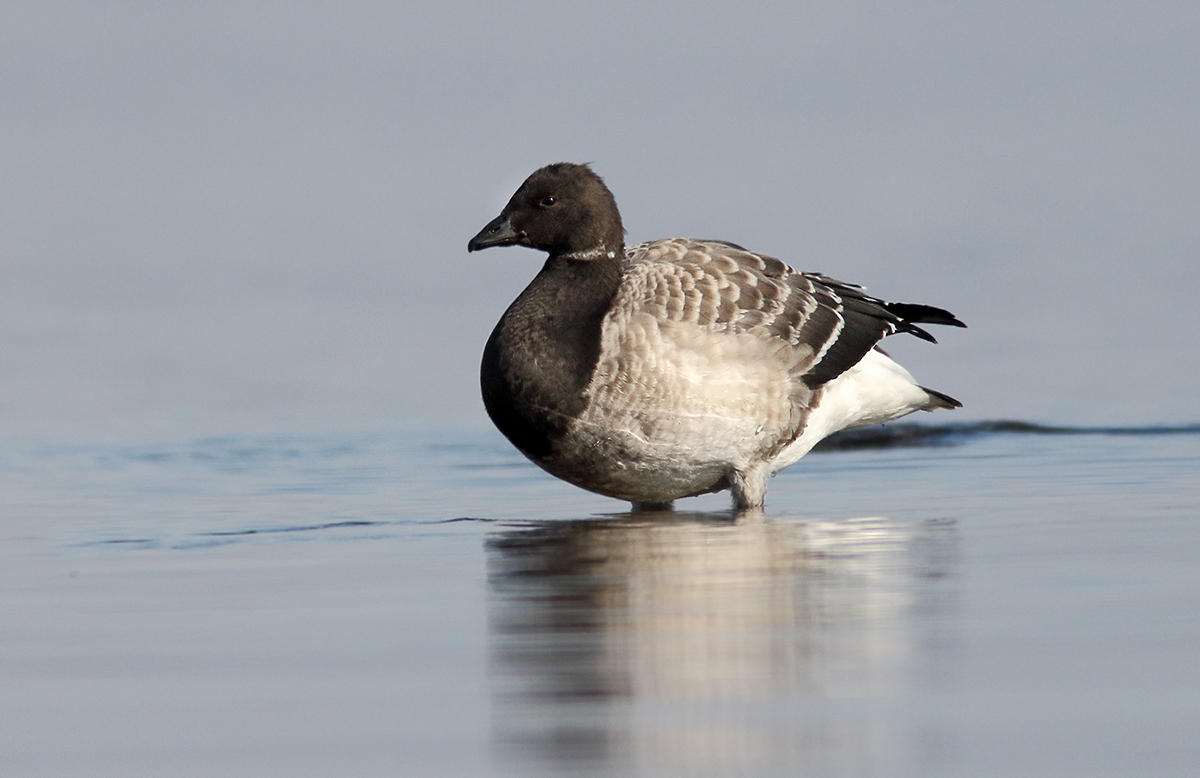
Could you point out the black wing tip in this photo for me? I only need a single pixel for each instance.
(912, 314)
(920, 332)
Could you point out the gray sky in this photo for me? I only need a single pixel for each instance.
(224, 216)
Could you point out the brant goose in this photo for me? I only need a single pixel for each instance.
(679, 367)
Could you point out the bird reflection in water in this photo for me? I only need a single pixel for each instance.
(670, 641)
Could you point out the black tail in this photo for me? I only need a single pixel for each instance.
(912, 314)
(940, 399)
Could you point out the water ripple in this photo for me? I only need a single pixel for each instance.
(912, 434)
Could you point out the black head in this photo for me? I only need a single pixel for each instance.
(564, 209)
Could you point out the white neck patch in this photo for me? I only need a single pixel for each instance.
(594, 253)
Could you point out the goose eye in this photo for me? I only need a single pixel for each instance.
(548, 201)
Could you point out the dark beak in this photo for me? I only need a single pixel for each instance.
(498, 232)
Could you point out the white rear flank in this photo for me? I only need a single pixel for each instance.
(874, 391)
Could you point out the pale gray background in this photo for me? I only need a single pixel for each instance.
(217, 217)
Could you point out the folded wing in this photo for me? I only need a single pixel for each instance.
(829, 324)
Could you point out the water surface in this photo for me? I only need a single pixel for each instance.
(971, 599)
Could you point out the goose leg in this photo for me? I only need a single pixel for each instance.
(749, 487)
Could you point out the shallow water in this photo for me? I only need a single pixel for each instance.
(998, 600)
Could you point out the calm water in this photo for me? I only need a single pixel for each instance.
(995, 601)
